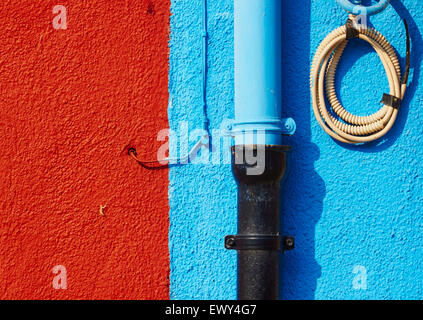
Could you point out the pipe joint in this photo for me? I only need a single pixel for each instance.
(273, 160)
(265, 131)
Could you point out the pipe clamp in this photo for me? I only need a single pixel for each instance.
(260, 242)
(253, 242)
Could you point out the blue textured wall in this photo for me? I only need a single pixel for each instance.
(351, 208)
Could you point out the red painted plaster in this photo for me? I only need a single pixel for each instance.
(71, 102)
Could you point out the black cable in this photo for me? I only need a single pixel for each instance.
(408, 56)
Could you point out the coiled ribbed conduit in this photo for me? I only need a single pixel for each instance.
(354, 129)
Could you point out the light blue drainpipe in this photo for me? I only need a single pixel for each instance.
(258, 73)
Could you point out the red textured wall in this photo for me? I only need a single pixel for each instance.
(71, 103)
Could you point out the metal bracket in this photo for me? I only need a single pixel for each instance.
(259, 242)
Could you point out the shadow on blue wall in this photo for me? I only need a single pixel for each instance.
(303, 191)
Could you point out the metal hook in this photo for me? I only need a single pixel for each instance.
(355, 7)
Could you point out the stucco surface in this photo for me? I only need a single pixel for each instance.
(71, 103)
(350, 208)
(201, 196)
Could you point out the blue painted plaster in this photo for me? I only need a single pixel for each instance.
(350, 207)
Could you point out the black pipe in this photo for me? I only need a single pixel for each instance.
(258, 241)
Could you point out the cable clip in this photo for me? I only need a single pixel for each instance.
(352, 32)
(391, 101)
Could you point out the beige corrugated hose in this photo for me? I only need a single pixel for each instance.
(347, 127)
